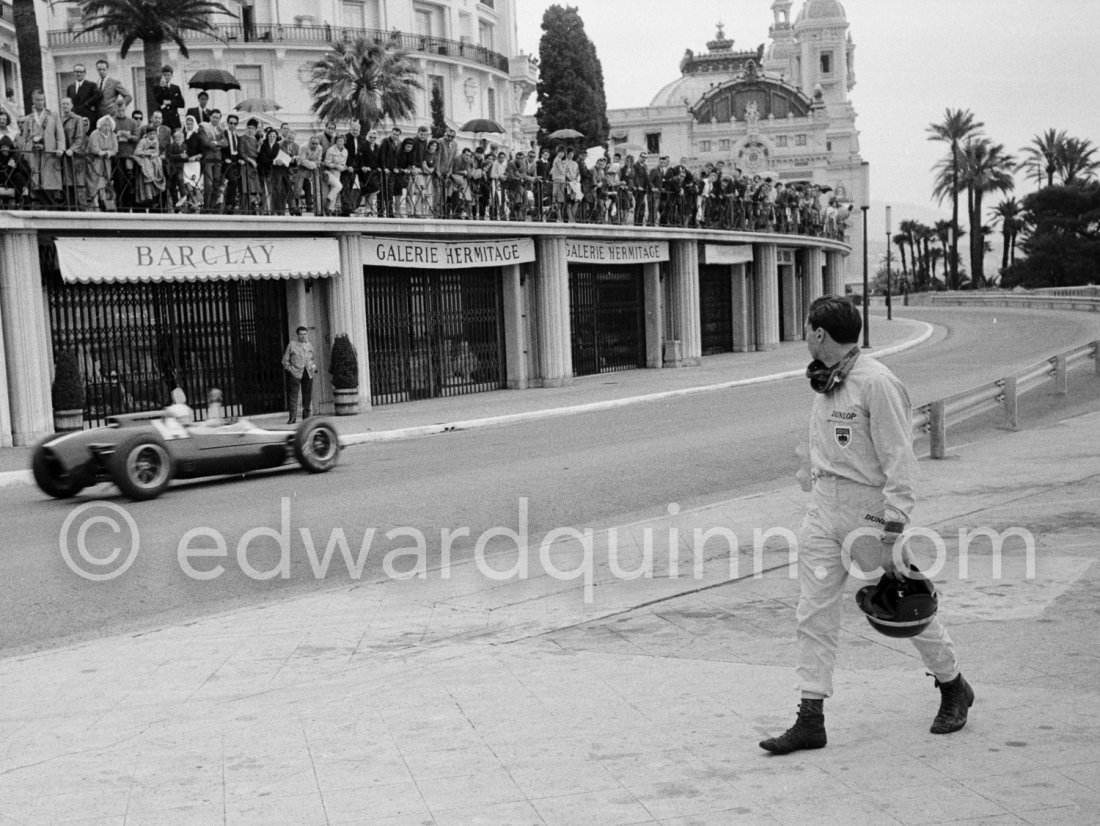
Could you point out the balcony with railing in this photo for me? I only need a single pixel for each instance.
(283, 35)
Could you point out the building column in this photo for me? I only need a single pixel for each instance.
(834, 273)
(515, 328)
(28, 354)
(766, 296)
(741, 301)
(5, 404)
(654, 314)
(683, 270)
(552, 313)
(791, 328)
(348, 308)
(813, 260)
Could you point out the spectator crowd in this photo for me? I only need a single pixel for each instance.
(98, 153)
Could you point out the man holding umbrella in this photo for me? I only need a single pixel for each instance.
(201, 113)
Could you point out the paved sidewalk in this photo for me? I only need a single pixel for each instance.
(463, 699)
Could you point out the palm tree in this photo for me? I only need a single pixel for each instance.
(942, 229)
(29, 47)
(935, 255)
(924, 235)
(1009, 212)
(1076, 162)
(901, 239)
(985, 167)
(1044, 153)
(957, 126)
(152, 22)
(908, 229)
(365, 81)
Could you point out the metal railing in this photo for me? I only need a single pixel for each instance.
(116, 184)
(1087, 291)
(934, 418)
(1068, 298)
(280, 33)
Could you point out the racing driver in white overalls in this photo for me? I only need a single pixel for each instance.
(861, 473)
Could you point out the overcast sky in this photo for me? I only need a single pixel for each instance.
(1022, 66)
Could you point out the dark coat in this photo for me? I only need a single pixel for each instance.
(169, 102)
(86, 98)
(203, 118)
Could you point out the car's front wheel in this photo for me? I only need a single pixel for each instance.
(141, 466)
(316, 445)
(51, 475)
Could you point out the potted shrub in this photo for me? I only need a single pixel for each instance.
(344, 367)
(68, 394)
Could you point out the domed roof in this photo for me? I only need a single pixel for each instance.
(821, 10)
(691, 87)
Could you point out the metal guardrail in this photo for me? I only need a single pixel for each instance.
(1089, 290)
(1036, 299)
(935, 417)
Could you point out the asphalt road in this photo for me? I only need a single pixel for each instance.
(589, 470)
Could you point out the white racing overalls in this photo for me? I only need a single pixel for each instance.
(863, 469)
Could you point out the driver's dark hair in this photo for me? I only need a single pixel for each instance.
(302, 329)
(836, 316)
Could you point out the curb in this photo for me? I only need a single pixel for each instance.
(21, 478)
(576, 409)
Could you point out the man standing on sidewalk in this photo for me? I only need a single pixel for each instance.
(300, 366)
(860, 474)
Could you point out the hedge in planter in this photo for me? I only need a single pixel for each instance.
(344, 367)
(67, 393)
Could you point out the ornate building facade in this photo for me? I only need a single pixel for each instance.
(466, 48)
(782, 109)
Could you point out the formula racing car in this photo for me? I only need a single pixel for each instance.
(143, 452)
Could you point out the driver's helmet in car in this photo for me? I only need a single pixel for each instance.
(179, 409)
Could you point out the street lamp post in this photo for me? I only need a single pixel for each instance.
(866, 285)
(889, 306)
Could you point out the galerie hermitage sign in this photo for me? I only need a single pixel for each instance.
(421, 253)
(620, 252)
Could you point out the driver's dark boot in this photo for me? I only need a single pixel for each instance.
(808, 731)
(956, 698)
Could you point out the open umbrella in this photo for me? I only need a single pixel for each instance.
(207, 79)
(564, 134)
(266, 119)
(592, 155)
(482, 125)
(257, 105)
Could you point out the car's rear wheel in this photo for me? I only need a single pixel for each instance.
(141, 466)
(316, 445)
(51, 475)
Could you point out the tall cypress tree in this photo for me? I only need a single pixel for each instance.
(570, 90)
(439, 121)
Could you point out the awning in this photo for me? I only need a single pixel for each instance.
(114, 260)
(727, 253)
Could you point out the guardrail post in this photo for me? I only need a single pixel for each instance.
(1061, 383)
(937, 429)
(1012, 403)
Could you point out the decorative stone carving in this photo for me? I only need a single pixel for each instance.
(752, 115)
